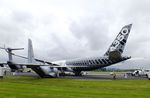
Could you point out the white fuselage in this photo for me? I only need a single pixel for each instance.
(78, 65)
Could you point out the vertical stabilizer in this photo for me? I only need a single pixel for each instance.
(119, 43)
(30, 52)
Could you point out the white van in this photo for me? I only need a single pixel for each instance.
(148, 74)
(1, 72)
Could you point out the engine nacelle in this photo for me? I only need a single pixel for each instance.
(53, 72)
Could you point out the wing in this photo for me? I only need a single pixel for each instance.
(2, 64)
(52, 65)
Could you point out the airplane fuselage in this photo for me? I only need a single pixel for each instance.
(87, 64)
(93, 63)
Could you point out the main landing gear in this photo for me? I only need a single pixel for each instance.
(78, 73)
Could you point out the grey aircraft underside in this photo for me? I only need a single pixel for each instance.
(52, 69)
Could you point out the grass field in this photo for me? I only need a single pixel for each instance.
(29, 87)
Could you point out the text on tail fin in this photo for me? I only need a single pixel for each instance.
(120, 41)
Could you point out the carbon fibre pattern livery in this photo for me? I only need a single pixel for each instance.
(120, 41)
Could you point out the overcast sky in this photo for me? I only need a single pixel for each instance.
(65, 29)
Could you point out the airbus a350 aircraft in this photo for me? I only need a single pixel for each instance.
(52, 69)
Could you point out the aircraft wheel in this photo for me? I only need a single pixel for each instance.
(78, 74)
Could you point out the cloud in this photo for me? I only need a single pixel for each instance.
(10, 32)
(77, 28)
(92, 30)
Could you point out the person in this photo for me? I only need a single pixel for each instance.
(114, 75)
(125, 75)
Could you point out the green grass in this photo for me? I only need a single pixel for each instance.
(29, 87)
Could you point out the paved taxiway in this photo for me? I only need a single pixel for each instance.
(90, 76)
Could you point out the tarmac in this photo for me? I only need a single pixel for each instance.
(92, 76)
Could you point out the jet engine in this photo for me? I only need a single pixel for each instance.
(50, 71)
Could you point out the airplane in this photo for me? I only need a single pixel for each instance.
(52, 69)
